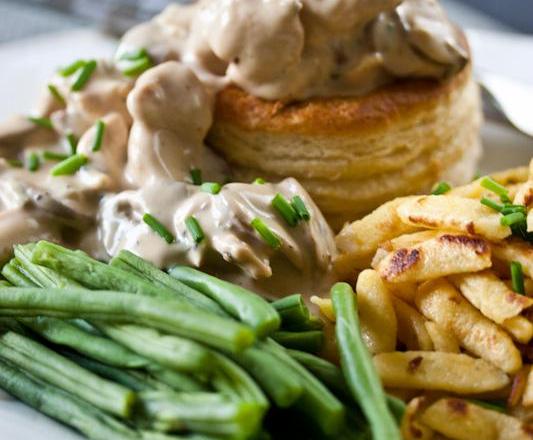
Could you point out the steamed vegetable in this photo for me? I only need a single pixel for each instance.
(62, 406)
(170, 316)
(357, 366)
(238, 301)
(57, 370)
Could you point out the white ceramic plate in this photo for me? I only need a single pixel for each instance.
(28, 64)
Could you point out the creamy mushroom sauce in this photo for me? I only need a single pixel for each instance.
(295, 49)
(155, 127)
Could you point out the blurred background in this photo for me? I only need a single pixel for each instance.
(22, 18)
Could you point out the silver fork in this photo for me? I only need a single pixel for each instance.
(507, 100)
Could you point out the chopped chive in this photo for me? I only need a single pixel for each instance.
(285, 209)
(196, 176)
(52, 155)
(42, 122)
(72, 142)
(477, 175)
(211, 187)
(509, 209)
(133, 55)
(85, 74)
(135, 68)
(266, 233)
(136, 62)
(493, 186)
(517, 278)
(195, 229)
(441, 188)
(299, 206)
(70, 165)
(33, 162)
(513, 219)
(492, 204)
(158, 228)
(72, 68)
(99, 136)
(56, 94)
(15, 163)
(259, 181)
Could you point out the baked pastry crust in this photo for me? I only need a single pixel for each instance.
(352, 154)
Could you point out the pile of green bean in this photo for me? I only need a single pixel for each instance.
(127, 351)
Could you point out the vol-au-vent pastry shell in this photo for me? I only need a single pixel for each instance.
(354, 153)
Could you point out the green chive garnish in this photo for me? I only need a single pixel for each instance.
(72, 142)
(158, 228)
(56, 94)
(493, 186)
(211, 187)
(83, 76)
(513, 219)
(195, 229)
(441, 188)
(517, 278)
(509, 209)
(15, 163)
(52, 155)
(42, 122)
(285, 209)
(266, 233)
(492, 204)
(72, 68)
(33, 162)
(136, 62)
(196, 176)
(99, 136)
(137, 67)
(300, 208)
(259, 181)
(70, 165)
(133, 55)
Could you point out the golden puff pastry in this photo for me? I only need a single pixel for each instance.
(352, 154)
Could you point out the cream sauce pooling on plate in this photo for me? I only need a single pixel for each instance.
(155, 126)
(296, 49)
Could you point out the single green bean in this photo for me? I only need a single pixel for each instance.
(12, 273)
(325, 371)
(130, 262)
(280, 382)
(154, 378)
(316, 401)
(241, 303)
(295, 315)
(207, 413)
(62, 406)
(57, 370)
(310, 341)
(96, 347)
(332, 377)
(176, 380)
(168, 350)
(166, 315)
(118, 375)
(232, 380)
(357, 365)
